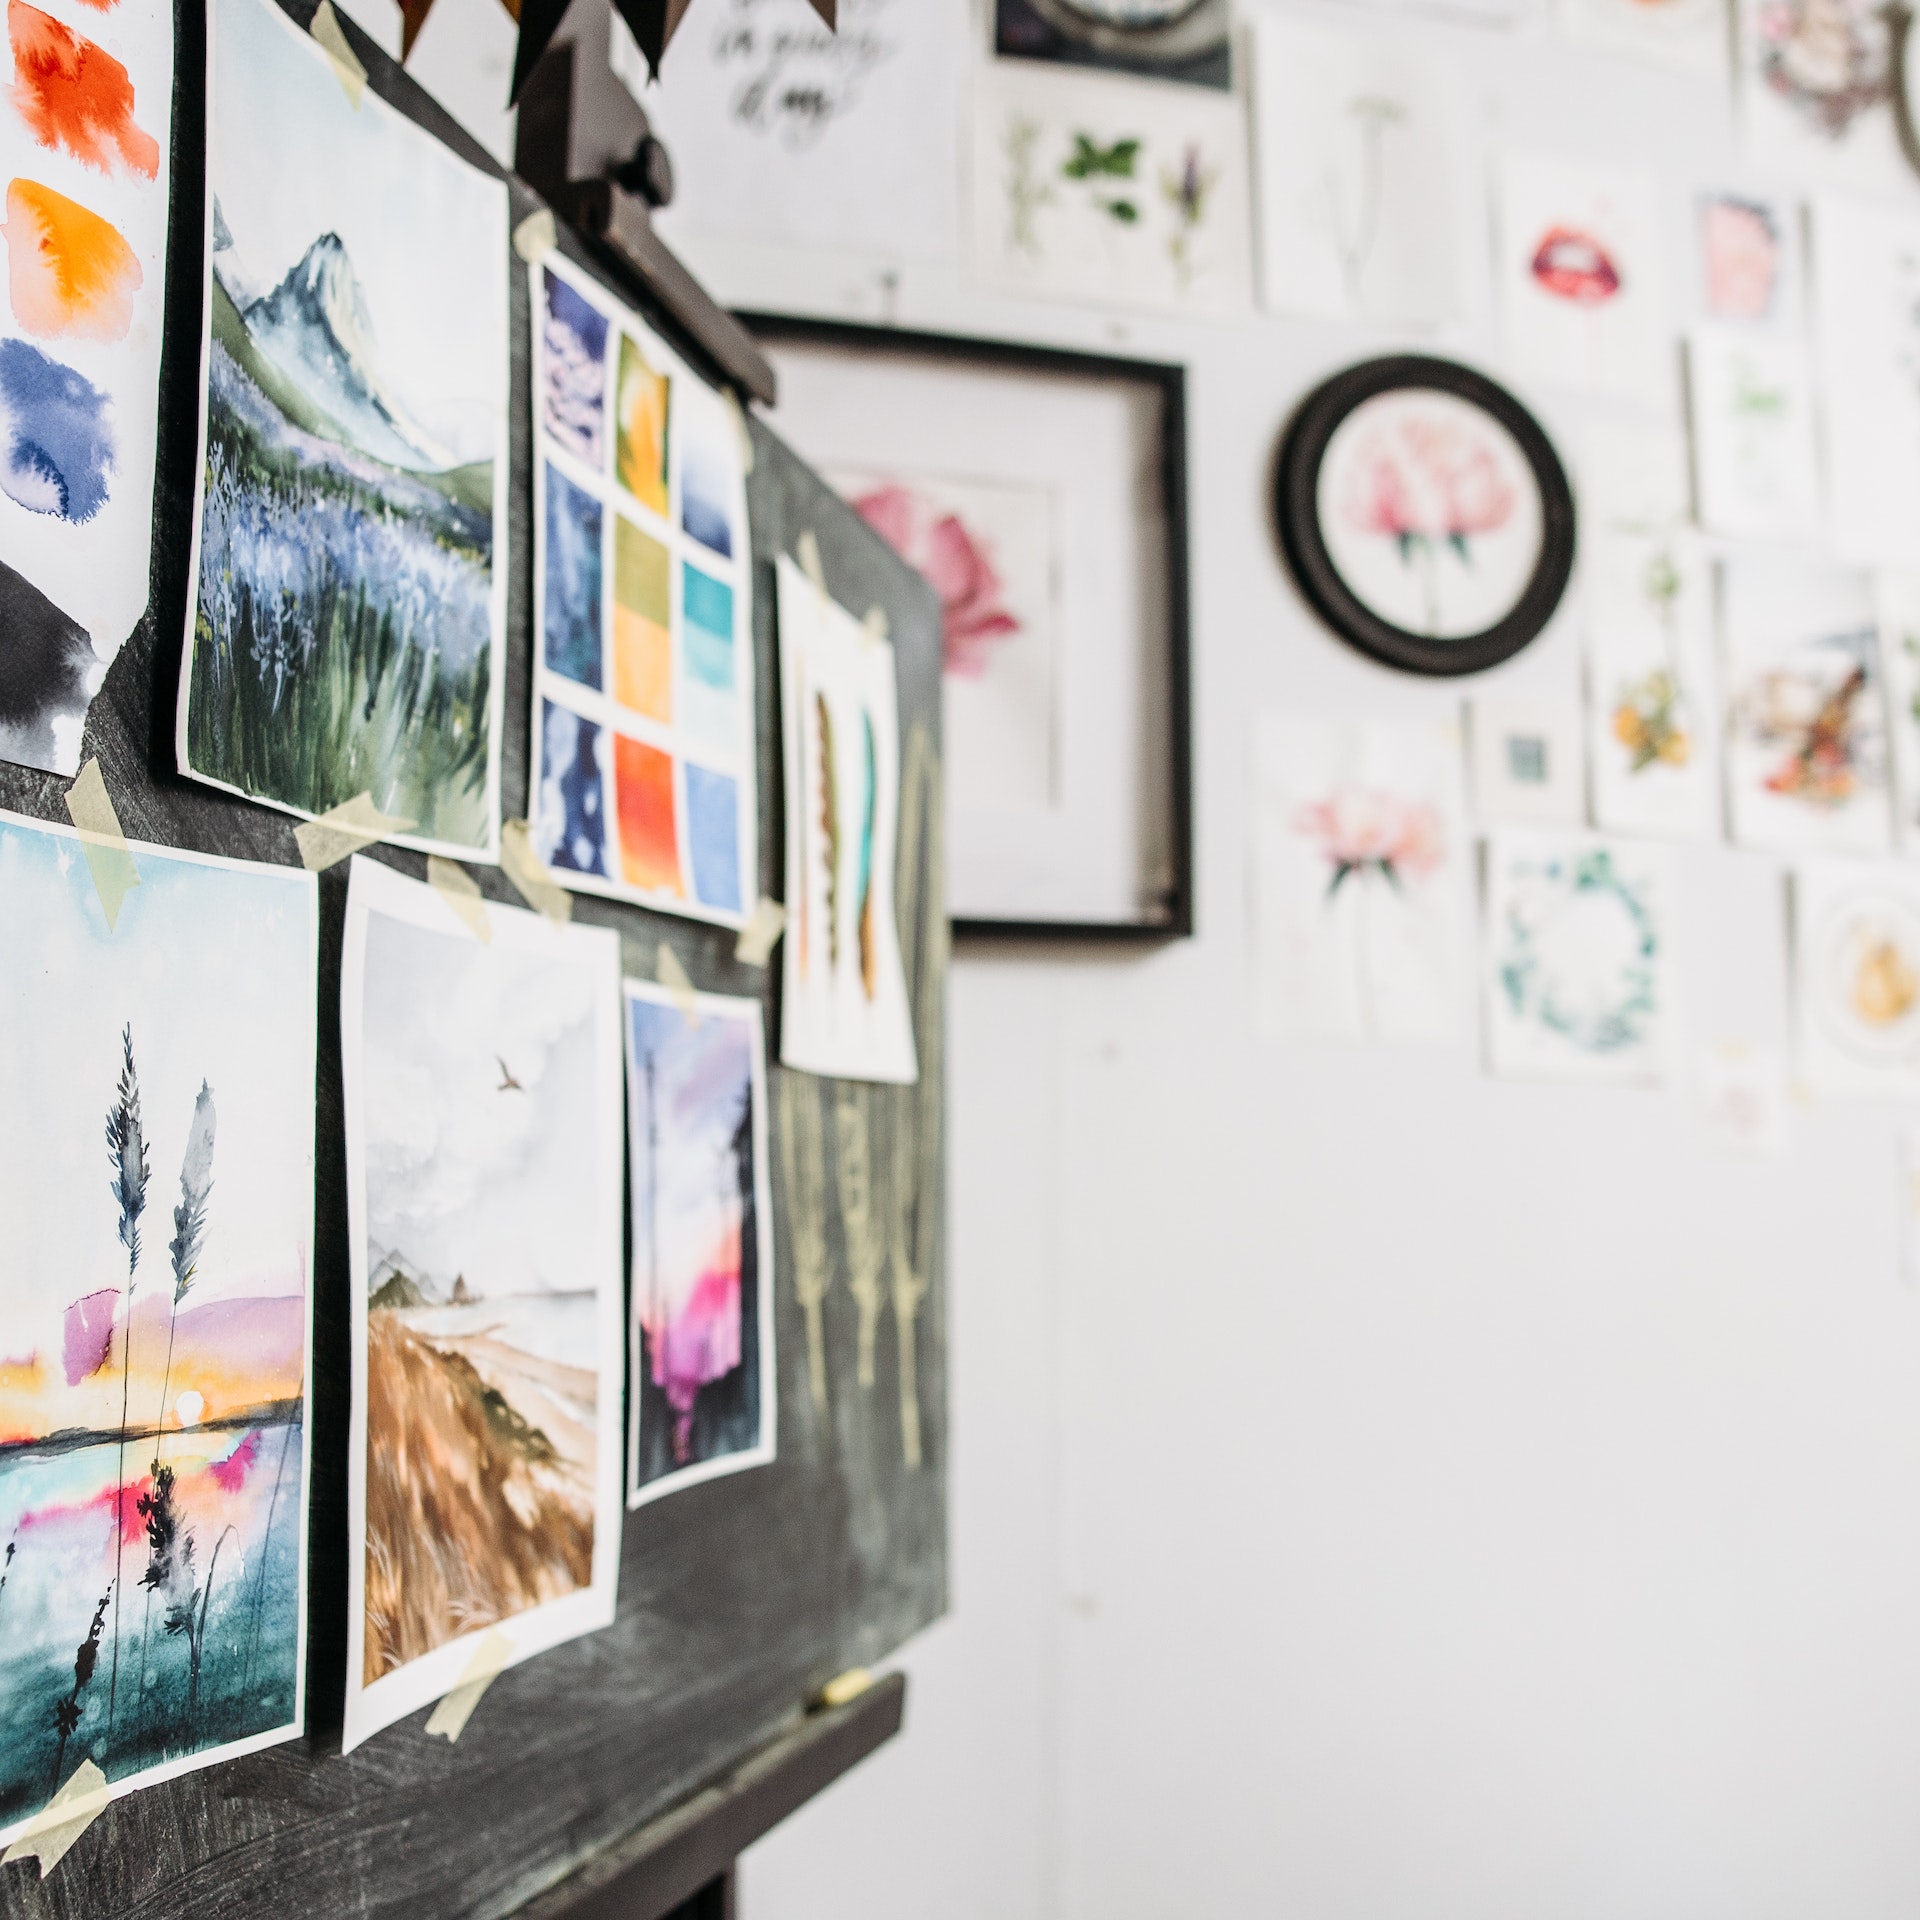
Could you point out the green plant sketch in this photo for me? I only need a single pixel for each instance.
(1101, 169)
(1027, 193)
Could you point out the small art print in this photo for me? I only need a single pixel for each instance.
(156, 1179)
(1816, 89)
(1750, 271)
(643, 730)
(1857, 961)
(1756, 465)
(702, 1396)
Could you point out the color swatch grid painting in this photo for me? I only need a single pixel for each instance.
(85, 136)
(156, 1179)
(643, 769)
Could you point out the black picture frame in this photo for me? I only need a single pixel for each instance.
(1172, 916)
(1303, 447)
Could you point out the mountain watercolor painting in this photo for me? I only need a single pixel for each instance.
(156, 1180)
(349, 617)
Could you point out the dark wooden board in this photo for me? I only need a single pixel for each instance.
(738, 1597)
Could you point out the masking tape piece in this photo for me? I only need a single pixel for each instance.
(675, 978)
(344, 829)
(844, 1687)
(765, 924)
(807, 551)
(449, 1719)
(876, 627)
(537, 887)
(71, 1811)
(332, 36)
(461, 891)
(114, 874)
(536, 236)
(739, 414)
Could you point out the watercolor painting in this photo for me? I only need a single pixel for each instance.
(643, 738)
(1750, 259)
(844, 1009)
(1689, 36)
(156, 1177)
(1816, 91)
(1806, 740)
(1579, 976)
(1092, 187)
(1649, 632)
(1584, 299)
(1354, 145)
(1856, 947)
(85, 135)
(702, 1401)
(1430, 512)
(1360, 868)
(1184, 40)
(1527, 759)
(349, 623)
(483, 1131)
(1751, 401)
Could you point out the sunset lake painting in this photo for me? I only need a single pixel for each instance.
(156, 1178)
(482, 1084)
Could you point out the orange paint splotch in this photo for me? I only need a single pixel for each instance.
(68, 271)
(75, 95)
(649, 842)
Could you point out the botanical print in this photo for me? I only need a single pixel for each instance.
(350, 562)
(1580, 279)
(482, 1098)
(1688, 35)
(86, 131)
(1116, 191)
(1355, 153)
(1527, 760)
(1649, 634)
(1360, 865)
(1897, 611)
(1856, 946)
(702, 1395)
(1806, 739)
(844, 1008)
(1579, 973)
(1751, 398)
(643, 725)
(1186, 40)
(988, 548)
(1749, 253)
(156, 1178)
(1815, 89)
(1430, 513)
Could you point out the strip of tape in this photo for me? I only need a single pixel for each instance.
(461, 891)
(71, 1811)
(807, 551)
(114, 874)
(345, 829)
(332, 37)
(678, 982)
(876, 627)
(844, 1687)
(739, 427)
(449, 1719)
(765, 924)
(536, 236)
(537, 887)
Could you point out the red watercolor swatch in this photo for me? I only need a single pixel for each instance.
(75, 95)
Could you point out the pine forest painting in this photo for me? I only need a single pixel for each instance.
(349, 619)
(156, 1178)
(702, 1395)
(482, 1085)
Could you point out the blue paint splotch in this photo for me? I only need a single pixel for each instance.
(576, 344)
(570, 824)
(571, 627)
(713, 832)
(57, 452)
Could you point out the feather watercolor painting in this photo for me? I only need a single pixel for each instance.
(702, 1398)
(156, 1177)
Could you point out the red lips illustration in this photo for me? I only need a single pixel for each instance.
(1572, 265)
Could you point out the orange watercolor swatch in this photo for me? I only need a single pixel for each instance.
(75, 95)
(649, 844)
(68, 271)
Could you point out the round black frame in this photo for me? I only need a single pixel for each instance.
(1303, 447)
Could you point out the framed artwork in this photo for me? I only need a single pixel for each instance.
(1527, 760)
(1425, 514)
(1755, 456)
(1043, 496)
(1186, 40)
(1856, 947)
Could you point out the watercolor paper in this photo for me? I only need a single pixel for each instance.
(1756, 463)
(844, 1004)
(155, 1298)
(1815, 92)
(1690, 36)
(86, 131)
(1806, 747)
(350, 559)
(1528, 765)
(1581, 277)
(1649, 632)
(1856, 939)
(643, 718)
(1359, 879)
(703, 1378)
(481, 1082)
(1633, 475)
(1578, 956)
(1741, 1096)
(1897, 610)
(1750, 268)
(1356, 193)
(1120, 192)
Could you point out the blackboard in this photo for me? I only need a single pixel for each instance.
(737, 1597)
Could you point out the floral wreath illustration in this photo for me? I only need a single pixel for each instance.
(1529, 986)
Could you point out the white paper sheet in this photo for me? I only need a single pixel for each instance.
(1690, 36)
(1756, 461)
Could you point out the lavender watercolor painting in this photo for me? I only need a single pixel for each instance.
(156, 1177)
(701, 1401)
